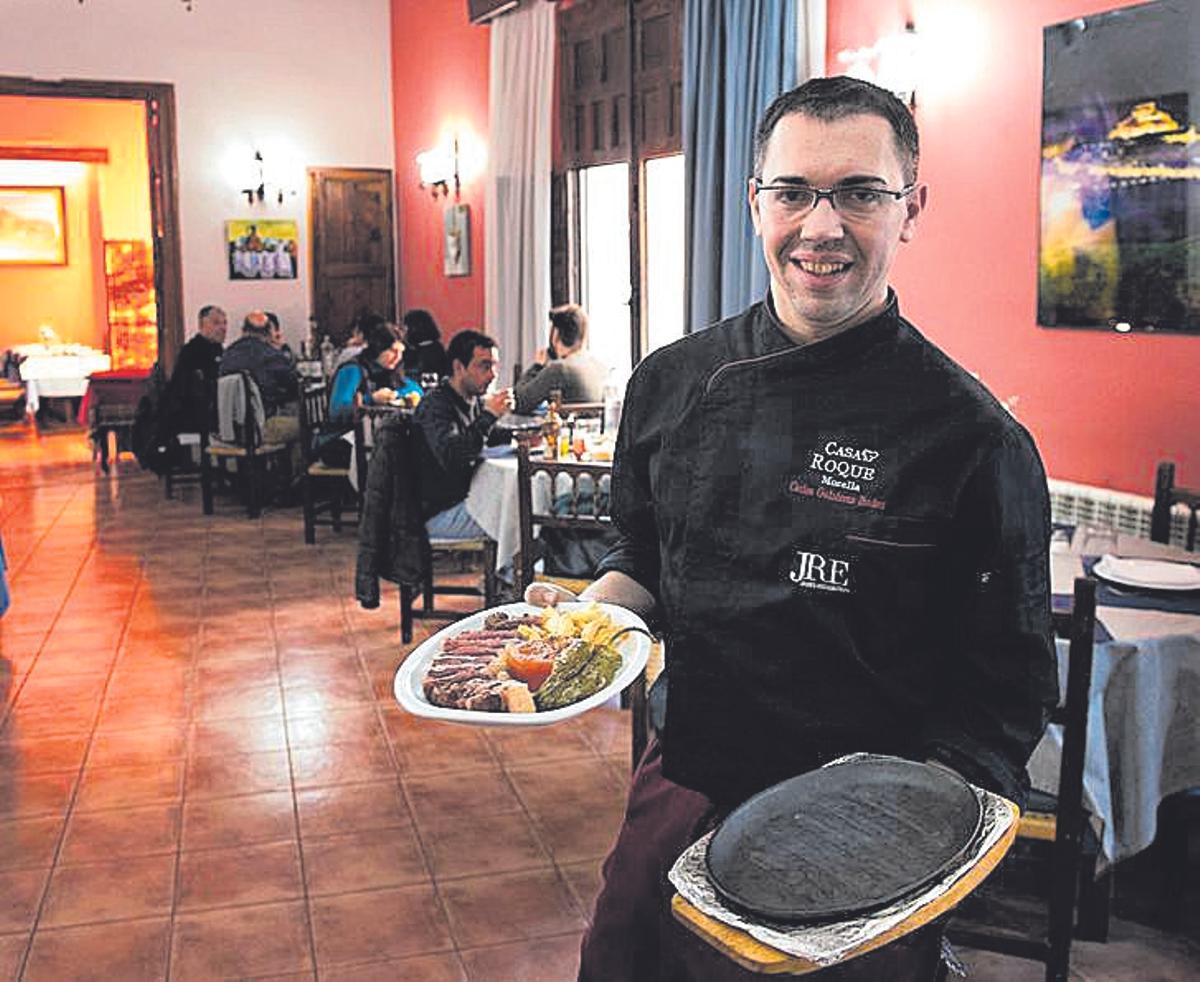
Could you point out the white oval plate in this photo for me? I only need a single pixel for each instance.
(634, 649)
(1148, 574)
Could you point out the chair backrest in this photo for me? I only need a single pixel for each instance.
(239, 410)
(314, 408)
(1078, 627)
(1167, 494)
(367, 421)
(572, 495)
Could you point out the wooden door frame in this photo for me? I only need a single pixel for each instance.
(163, 165)
(314, 233)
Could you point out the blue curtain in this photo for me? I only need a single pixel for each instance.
(738, 55)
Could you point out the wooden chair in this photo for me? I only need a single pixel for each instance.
(1180, 812)
(245, 452)
(998, 917)
(399, 427)
(323, 488)
(576, 509)
(1167, 494)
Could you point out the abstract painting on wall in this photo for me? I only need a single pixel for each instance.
(1120, 172)
(33, 231)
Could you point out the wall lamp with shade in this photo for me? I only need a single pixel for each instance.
(892, 63)
(457, 158)
(438, 167)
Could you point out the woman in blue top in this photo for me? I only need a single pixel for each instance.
(368, 378)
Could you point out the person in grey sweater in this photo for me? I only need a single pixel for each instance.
(565, 364)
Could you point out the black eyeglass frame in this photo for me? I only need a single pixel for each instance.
(826, 194)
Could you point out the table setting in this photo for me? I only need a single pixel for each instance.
(1142, 743)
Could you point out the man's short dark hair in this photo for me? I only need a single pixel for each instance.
(462, 346)
(829, 99)
(207, 309)
(571, 323)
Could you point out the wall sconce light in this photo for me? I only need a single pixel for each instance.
(892, 63)
(438, 168)
(259, 185)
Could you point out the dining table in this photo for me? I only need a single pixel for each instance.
(57, 371)
(1143, 743)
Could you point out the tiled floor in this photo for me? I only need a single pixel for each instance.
(203, 774)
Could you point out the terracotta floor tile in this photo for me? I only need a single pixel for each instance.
(535, 904)
(350, 725)
(146, 745)
(29, 842)
(20, 894)
(121, 889)
(96, 836)
(255, 874)
(41, 720)
(239, 702)
(234, 774)
(549, 960)
(584, 881)
(423, 968)
(430, 747)
(12, 950)
(436, 798)
(538, 744)
(256, 734)
(378, 925)
(351, 808)
(363, 861)
(130, 784)
(100, 953)
(456, 847)
(33, 754)
(240, 942)
(247, 819)
(311, 700)
(28, 795)
(342, 763)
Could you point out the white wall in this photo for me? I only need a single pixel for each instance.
(309, 79)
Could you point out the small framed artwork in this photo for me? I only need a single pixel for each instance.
(33, 226)
(261, 250)
(456, 260)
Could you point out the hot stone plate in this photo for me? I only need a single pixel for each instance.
(843, 840)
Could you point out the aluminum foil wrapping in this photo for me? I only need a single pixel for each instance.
(828, 943)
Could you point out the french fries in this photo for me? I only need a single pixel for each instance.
(588, 623)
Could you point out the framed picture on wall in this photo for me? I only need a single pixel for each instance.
(33, 226)
(261, 250)
(1120, 184)
(456, 259)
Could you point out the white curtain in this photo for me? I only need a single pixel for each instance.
(517, 221)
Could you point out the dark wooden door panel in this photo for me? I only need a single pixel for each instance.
(353, 245)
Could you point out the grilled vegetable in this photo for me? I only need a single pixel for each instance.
(580, 669)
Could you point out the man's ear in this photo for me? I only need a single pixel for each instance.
(752, 202)
(914, 205)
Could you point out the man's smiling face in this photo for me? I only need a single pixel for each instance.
(830, 272)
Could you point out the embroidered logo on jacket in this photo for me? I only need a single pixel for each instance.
(814, 571)
(840, 472)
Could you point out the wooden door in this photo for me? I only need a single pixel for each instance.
(353, 245)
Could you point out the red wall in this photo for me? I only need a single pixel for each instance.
(439, 80)
(1103, 407)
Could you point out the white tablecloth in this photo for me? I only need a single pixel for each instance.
(58, 371)
(492, 501)
(1143, 742)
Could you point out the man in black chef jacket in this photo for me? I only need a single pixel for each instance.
(842, 532)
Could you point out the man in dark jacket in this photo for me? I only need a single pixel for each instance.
(843, 533)
(456, 420)
(195, 372)
(274, 373)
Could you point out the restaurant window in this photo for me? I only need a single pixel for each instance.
(618, 228)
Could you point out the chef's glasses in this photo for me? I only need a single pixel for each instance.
(851, 200)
